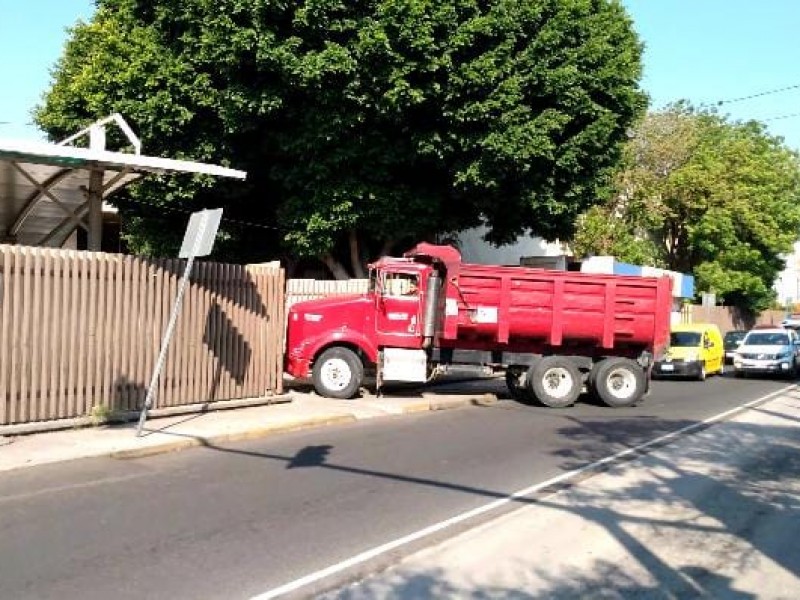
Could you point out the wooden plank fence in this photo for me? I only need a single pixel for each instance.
(81, 332)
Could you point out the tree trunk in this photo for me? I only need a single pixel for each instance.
(387, 247)
(289, 265)
(355, 256)
(336, 268)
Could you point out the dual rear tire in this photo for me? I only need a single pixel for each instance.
(618, 382)
(557, 382)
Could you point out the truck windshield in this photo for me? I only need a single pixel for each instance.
(684, 339)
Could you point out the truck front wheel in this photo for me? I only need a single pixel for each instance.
(338, 373)
(555, 381)
(619, 382)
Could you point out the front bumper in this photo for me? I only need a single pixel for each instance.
(298, 367)
(677, 368)
(764, 367)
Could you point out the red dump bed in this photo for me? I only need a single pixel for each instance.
(511, 305)
(524, 309)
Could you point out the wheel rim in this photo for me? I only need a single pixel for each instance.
(335, 374)
(621, 384)
(558, 382)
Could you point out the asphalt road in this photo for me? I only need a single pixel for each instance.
(237, 521)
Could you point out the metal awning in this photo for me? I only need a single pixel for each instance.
(48, 190)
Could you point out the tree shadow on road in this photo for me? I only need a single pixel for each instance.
(730, 518)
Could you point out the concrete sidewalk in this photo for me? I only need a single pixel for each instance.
(295, 411)
(715, 514)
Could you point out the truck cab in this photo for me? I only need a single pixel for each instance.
(354, 329)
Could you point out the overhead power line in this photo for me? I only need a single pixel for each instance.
(757, 95)
(779, 117)
(176, 209)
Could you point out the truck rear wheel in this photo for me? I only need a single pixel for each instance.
(619, 382)
(338, 373)
(555, 381)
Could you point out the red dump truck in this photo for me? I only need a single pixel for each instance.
(553, 333)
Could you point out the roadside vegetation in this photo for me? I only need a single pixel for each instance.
(364, 126)
(699, 193)
(368, 126)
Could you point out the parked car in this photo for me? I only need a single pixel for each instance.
(773, 351)
(695, 351)
(731, 341)
(792, 320)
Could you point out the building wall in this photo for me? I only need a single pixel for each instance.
(728, 318)
(475, 250)
(787, 286)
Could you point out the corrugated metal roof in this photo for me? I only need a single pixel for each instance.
(83, 158)
(43, 185)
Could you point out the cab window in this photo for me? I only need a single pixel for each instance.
(401, 284)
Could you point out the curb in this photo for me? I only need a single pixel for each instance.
(175, 442)
(130, 416)
(428, 405)
(236, 436)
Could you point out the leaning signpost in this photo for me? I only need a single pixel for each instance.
(197, 241)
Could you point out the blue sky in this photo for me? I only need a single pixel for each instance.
(702, 50)
(32, 35)
(716, 50)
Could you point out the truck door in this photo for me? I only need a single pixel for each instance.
(398, 310)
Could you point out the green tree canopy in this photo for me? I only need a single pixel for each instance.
(361, 122)
(702, 194)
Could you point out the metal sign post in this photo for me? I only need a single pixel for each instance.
(197, 241)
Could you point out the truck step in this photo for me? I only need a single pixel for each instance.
(471, 370)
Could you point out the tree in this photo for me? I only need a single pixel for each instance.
(708, 196)
(363, 124)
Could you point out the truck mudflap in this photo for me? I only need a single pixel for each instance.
(646, 361)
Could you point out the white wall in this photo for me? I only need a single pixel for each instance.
(788, 283)
(475, 250)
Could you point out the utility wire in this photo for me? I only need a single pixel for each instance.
(186, 211)
(756, 95)
(789, 116)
